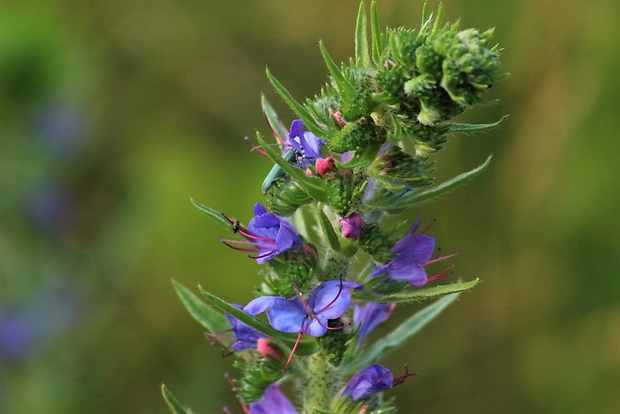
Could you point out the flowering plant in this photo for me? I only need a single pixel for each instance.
(358, 152)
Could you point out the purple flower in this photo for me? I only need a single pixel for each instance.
(330, 300)
(28, 326)
(273, 401)
(305, 143)
(370, 316)
(413, 252)
(369, 381)
(245, 336)
(268, 235)
(351, 227)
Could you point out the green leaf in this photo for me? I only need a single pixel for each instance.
(273, 120)
(214, 214)
(306, 346)
(418, 295)
(341, 83)
(378, 39)
(467, 128)
(298, 108)
(400, 335)
(312, 185)
(400, 201)
(212, 320)
(362, 57)
(173, 403)
(328, 229)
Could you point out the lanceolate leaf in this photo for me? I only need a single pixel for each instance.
(273, 120)
(407, 200)
(378, 38)
(419, 295)
(209, 318)
(399, 335)
(173, 404)
(340, 82)
(328, 230)
(298, 108)
(362, 57)
(214, 214)
(467, 128)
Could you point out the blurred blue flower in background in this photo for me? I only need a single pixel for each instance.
(29, 325)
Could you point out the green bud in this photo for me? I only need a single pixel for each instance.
(357, 135)
(470, 67)
(375, 243)
(340, 190)
(395, 164)
(288, 198)
(290, 269)
(334, 342)
(258, 374)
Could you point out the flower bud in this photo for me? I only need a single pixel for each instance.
(351, 227)
(325, 165)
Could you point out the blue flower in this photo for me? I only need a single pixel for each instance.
(268, 235)
(273, 401)
(369, 381)
(245, 336)
(370, 316)
(306, 145)
(330, 300)
(413, 252)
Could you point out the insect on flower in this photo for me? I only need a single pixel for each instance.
(301, 148)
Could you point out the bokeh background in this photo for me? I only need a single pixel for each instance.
(114, 113)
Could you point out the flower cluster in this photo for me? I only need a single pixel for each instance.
(357, 153)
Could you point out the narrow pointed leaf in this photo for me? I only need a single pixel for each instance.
(328, 229)
(273, 120)
(438, 19)
(402, 201)
(377, 38)
(298, 108)
(418, 295)
(362, 57)
(312, 185)
(467, 128)
(209, 318)
(214, 214)
(400, 335)
(173, 403)
(341, 83)
(427, 15)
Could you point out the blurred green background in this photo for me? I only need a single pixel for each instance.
(114, 113)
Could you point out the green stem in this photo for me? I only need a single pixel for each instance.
(318, 391)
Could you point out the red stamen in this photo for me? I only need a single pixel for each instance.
(240, 249)
(428, 226)
(333, 300)
(438, 276)
(273, 131)
(438, 259)
(260, 256)
(385, 374)
(301, 334)
(246, 233)
(401, 378)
